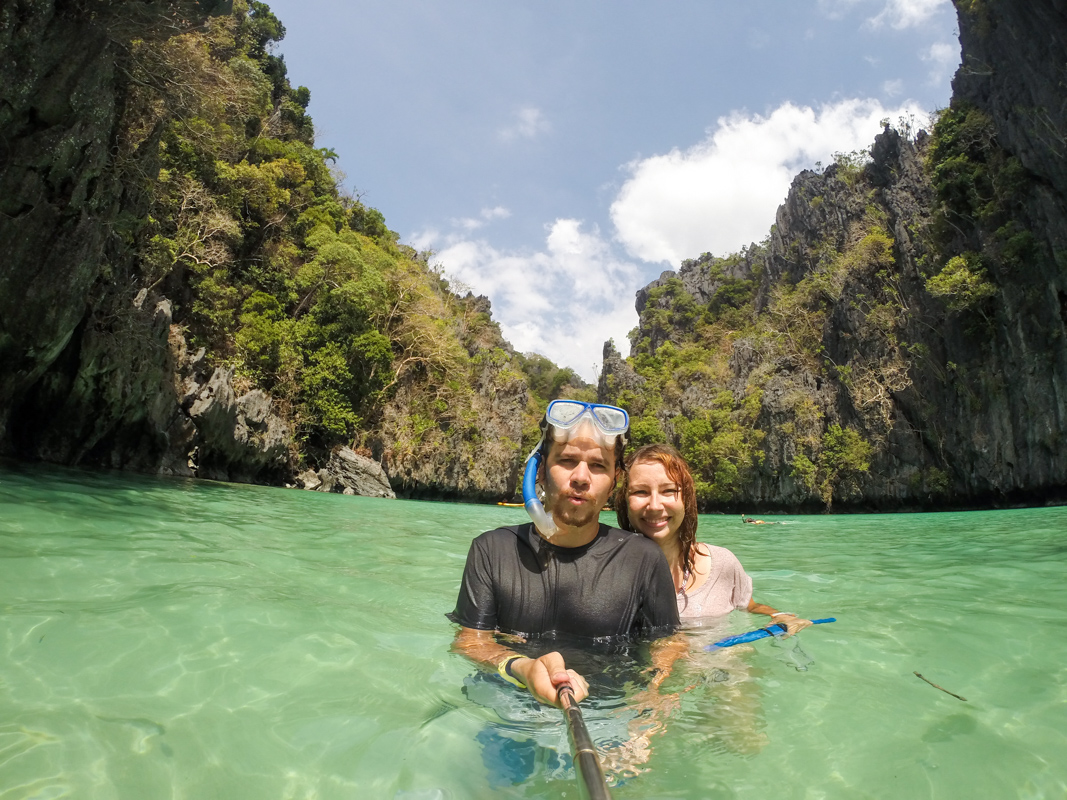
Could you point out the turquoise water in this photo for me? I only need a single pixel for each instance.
(168, 639)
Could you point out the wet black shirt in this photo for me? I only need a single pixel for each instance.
(617, 585)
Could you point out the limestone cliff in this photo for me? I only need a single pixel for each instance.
(900, 339)
(87, 372)
(459, 441)
(184, 288)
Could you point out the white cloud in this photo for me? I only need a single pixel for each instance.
(836, 9)
(897, 14)
(497, 212)
(527, 123)
(906, 13)
(944, 58)
(424, 240)
(893, 88)
(722, 193)
(487, 215)
(563, 301)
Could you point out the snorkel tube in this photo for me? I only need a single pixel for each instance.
(541, 519)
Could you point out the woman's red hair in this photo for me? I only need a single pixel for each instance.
(678, 471)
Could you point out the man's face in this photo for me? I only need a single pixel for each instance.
(580, 475)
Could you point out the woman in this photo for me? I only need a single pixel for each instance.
(657, 498)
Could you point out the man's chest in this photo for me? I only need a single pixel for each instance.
(595, 598)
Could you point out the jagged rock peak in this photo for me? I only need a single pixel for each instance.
(616, 376)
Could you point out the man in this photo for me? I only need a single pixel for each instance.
(568, 575)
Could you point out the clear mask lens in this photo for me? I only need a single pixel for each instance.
(584, 429)
(564, 413)
(612, 420)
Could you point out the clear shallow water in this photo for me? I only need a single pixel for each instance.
(168, 639)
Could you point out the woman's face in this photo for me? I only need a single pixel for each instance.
(655, 501)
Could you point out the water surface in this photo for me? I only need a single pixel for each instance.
(180, 639)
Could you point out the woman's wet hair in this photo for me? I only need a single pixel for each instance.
(678, 471)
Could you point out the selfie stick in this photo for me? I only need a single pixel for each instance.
(586, 762)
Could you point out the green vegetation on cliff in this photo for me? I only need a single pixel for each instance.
(691, 393)
(301, 289)
(979, 189)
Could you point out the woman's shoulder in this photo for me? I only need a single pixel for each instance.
(713, 550)
(720, 555)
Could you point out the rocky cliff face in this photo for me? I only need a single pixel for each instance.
(104, 299)
(88, 371)
(900, 339)
(1016, 445)
(1014, 68)
(61, 104)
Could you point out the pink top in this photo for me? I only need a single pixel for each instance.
(727, 587)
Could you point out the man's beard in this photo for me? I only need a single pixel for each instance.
(566, 514)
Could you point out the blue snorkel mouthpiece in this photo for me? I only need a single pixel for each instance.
(568, 419)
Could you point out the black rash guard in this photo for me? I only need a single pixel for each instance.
(618, 585)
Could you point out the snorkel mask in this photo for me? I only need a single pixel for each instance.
(569, 419)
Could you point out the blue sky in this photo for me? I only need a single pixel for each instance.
(557, 156)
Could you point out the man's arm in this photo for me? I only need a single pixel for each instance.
(541, 675)
(477, 604)
(664, 653)
(660, 614)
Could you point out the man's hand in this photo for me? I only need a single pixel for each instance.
(541, 675)
(544, 675)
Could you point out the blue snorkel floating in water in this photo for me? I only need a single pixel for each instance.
(777, 629)
(568, 419)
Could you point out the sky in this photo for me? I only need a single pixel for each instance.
(557, 155)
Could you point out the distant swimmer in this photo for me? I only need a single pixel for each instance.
(751, 521)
